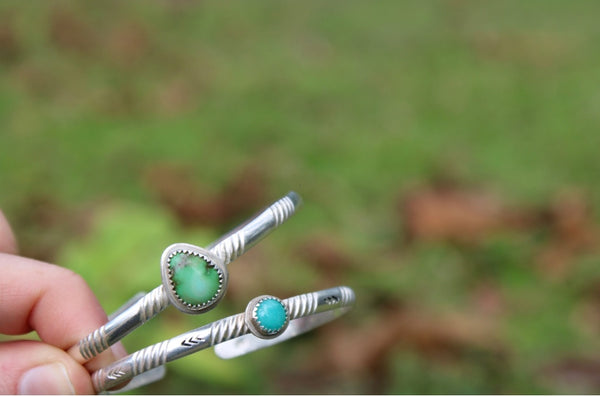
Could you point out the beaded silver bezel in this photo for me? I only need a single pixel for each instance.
(254, 325)
(167, 280)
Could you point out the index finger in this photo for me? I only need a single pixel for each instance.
(8, 243)
(54, 301)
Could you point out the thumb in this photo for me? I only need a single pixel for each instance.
(8, 244)
(31, 367)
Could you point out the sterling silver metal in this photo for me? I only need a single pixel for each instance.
(231, 336)
(218, 254)
(155, 374)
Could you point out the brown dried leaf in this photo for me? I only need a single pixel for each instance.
(191, 204)
(10, 48)
(174, 97)
(460, 215)
(572, 232)
(586, 313)
(194, 204)
(245, 193)
(367, 347)
(70, 32)
(128, 44)
(327, 257)
(487, 299)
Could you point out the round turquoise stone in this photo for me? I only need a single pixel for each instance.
(196, 282)
(271, 315)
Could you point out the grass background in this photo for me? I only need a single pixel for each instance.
(349, 104)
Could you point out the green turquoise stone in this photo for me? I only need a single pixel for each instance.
(195, 281)
(271, 314)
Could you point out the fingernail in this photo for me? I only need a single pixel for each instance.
(46, 379)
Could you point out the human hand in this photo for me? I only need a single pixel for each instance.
(57, 304)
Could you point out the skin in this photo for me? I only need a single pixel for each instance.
(57, 304)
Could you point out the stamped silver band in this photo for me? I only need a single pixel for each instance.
(232, 336)
(214, 258)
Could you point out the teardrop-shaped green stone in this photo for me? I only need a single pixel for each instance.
(195, 280)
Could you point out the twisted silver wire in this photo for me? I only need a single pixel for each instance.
(228, 248)
(347, 296)
(228, 328)
(149, 358)
(314, 305)
(153, 303)
(94, 343)
(139, 362)
(144, 309)
(302, 305)
(234, 244)
(282, 210)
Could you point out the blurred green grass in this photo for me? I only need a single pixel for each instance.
(348, 103)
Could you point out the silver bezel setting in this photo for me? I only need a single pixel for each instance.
(255, 326)
(167, 274)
